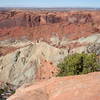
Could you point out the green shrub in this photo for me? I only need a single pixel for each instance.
(1, 91)
(77, 64)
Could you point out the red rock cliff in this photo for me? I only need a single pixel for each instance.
(36, 25)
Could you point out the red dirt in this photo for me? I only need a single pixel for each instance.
(46, 71)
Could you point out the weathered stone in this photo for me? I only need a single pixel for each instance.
(81, 87)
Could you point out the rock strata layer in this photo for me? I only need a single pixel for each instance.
(35, 25)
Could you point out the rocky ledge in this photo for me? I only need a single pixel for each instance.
(82, 87)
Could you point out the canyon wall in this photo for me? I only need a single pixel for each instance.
(35, 25)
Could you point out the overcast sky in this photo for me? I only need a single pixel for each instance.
(49, 3)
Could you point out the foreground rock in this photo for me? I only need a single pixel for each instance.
(82, 87)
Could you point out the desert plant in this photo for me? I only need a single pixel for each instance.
(77, 64)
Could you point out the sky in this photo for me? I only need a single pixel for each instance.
(50, 3)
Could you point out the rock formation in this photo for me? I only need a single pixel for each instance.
(82, 87)
(36, 24)
(22, 64)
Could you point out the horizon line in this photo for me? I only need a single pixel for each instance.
(44, 7)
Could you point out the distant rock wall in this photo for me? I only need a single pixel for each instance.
(38, 24)
(31, 19)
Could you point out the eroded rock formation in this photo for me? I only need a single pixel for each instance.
(36, 24)
(21, 65)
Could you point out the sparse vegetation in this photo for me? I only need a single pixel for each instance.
(17, 55)
(77, 64)
(6, 90)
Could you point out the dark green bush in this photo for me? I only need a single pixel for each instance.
(77, 64)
